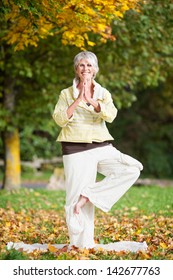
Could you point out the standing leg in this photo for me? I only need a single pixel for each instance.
(121, 172)
(80, 170)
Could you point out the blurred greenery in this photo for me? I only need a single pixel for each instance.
(137, 69)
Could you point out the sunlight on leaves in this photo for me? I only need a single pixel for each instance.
(27, 24)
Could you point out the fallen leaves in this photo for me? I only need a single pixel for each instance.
(49, 226)
(32, 226)
(51, 248)
(156, 230)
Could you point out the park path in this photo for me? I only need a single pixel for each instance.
(140, 182)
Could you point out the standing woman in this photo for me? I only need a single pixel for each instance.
(82, 111)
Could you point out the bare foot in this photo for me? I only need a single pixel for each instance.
(80, 204)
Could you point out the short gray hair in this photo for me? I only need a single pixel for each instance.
(90, 56)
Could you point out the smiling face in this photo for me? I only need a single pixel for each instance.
(85, 70)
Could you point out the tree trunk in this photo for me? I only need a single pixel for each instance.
(11, 140)
(12, 160)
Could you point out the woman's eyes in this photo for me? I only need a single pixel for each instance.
(81, 65)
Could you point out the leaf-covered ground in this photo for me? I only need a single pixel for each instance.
(47, 224)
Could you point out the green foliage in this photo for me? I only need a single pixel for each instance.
(40, 74)
(160, 167)
(146, 131)
(39, 143)
(138, 67)
(141, 57)
(13, 254)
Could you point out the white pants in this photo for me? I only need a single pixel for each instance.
(120, 171)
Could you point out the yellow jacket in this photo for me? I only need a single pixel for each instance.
(86, 125)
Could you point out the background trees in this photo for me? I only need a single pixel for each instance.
(139, 66)
(27, 79)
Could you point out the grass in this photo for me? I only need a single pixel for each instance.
(32, 199)
(37, 215)
(149, 199)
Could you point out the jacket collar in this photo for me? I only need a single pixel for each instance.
(98, 90)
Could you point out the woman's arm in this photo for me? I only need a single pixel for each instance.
(63, 113)
(106, 108)
(72, 107)
(60, 115)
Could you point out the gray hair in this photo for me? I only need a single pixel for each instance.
(91, 57)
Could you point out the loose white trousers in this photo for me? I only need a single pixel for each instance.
(120, 171)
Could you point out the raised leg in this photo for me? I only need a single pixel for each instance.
(121, 172)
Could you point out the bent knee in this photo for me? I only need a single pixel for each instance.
(135, 170)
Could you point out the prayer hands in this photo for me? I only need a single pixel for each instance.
(85, 91)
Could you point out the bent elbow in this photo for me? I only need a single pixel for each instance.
(112, 116)
(58, 120)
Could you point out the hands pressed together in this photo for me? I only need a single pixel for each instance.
(85, 94)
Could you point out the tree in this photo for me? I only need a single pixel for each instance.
(141, 56)
(139, 66)
(74, 20)
(25, 24)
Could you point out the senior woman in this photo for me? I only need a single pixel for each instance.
(82, 111)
